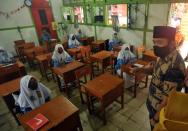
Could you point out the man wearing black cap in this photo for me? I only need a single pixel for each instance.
(167, 72)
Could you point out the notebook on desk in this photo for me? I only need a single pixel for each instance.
(37, 122)
(137, 65)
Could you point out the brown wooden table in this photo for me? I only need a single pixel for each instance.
(101, 57)
(42, 61)
(74, 52)
(8, 77)
(84, 40)
(99, 44)
(67, 72)
(138, 76)
(61, 113)
(117, 48)
(106, 88)
(6, 90)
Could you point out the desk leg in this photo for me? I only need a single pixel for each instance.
(122, 100)
(135, 89)
(45, 73)
(88, 103)
(103, 113)
(59, 83)
(9, 102)
(79, 124)
(40, 68)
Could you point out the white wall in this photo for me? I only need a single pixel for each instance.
(56, 9)
(21, 18)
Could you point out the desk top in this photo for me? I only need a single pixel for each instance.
(67, 68)
(10, 87)
(73, 50)
(103, 84)
(20, 64)
(98, 42)
(43, 57)
(56, 111)
(100, 56)
(128, 67)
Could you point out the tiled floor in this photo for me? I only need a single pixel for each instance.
(134, 116)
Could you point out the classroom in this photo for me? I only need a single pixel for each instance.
(93, 65)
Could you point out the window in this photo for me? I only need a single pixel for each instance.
(99, 14)
(78, 12)
(117, 13)
(67, 14)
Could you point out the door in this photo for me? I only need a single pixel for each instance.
(43, 17)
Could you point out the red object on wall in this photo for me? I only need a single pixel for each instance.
(43, 17)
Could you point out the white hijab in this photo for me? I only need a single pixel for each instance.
(25, 94)
(73, 42)
(125, 54)
(60, 57)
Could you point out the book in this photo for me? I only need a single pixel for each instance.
(37, 122)
(138, 65)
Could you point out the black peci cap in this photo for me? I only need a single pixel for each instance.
(164, 32)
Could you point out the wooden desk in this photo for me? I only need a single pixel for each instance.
(138, 76)
(84, 40)
(149, 55)
(6, 90)
(42, 61)
(107, 88)
(99, 44)
(74, 52)
(101, 57)
(117, 48)
(61, 113)
(13, 75)
(67, 72)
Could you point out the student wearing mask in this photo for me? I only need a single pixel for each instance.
(46, 37)
(170, 63)
(125, 56)
(32, 94)
(5, 57)
(79, 34)
(73, 42)
(114, 41)
(60, 56)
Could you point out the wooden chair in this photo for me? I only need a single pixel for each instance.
(48, 68)
(138, 77)
(80, 73)
(86, 55)
(18, 45)
(38, 51)
(29, 45)
(90, 40)
(9, 72)
(108, 64)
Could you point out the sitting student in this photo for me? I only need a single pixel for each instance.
(113, 42)
(73, 42)
(79, 34)
(60, 56)
(5, 57)
(46, 37)
(32, 94)
(125, 56)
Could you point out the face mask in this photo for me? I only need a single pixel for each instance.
(161, 51)
(33, 85)
(73, 38)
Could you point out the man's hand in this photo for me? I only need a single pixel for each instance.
(146, 69)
